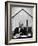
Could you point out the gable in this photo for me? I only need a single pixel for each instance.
(22, 13)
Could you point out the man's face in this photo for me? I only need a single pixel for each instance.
(21, 25)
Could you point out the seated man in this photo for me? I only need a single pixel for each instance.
(18, 31)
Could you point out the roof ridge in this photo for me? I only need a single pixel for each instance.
(20, 11)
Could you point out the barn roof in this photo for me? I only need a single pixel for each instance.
(20, 11)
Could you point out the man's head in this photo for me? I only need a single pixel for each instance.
(20, 25)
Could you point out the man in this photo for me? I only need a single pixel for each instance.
(18, 31)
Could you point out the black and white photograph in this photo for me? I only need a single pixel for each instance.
(20, 22)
